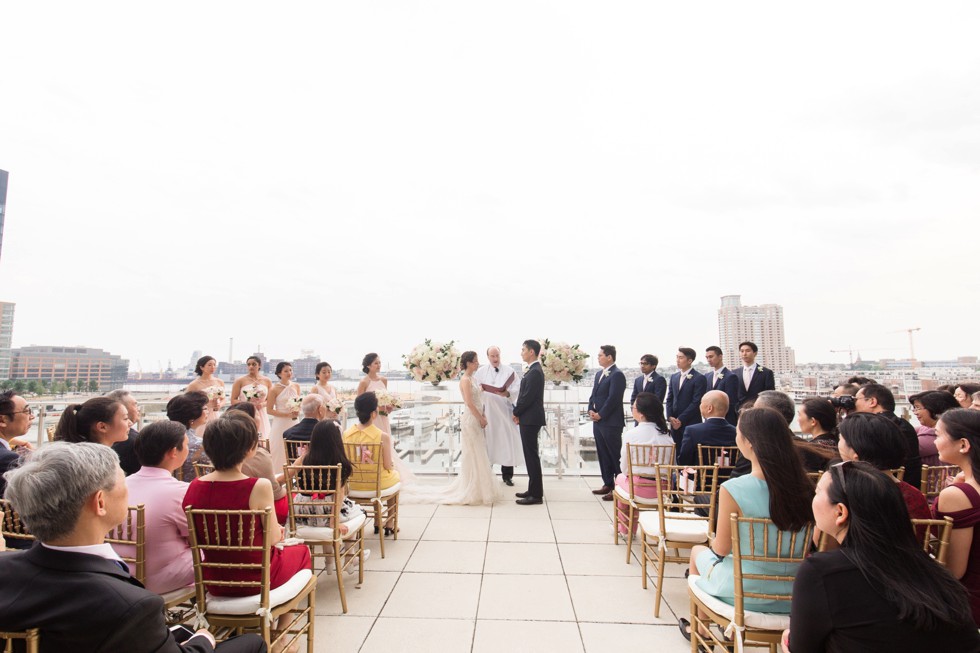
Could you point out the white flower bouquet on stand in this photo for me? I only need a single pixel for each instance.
(562, 363)
(434, 362)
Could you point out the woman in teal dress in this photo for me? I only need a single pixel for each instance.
(777, 489)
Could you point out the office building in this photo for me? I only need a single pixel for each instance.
(762, 325)
(6, 337)
(69, 364)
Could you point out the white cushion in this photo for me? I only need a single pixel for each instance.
(369, 494)
(760, 620)
(625, 496)
(679, 529)
(250, 604)
(183, 593)
(326, 533)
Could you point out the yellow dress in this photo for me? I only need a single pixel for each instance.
(360, 434)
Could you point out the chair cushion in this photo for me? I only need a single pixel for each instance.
(249, 604)
(625, 496)
(182, 594)
(326, 533)
(369, 494)
(679, 529)
(760, 620)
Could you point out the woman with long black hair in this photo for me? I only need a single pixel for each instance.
(327, 448)
(879, 591)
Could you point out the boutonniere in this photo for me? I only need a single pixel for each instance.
(689, 376)
(721, 375)
(605, 373)
(759, 368)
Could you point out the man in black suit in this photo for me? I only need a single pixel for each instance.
(650, 381)
(15, 420)
(606, 411)
(126, 449)
(722, 378)
(684, 395)
(71, 584)
(714, 430)
(753, 378)
(314, 409)
(529, 416)
(875, 398)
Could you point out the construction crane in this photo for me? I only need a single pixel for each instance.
(911, 344)
(850, 351)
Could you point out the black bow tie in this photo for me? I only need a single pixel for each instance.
(496, 369)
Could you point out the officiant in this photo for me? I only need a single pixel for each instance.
(501, 385)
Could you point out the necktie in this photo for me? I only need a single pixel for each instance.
(714, 379)
(748, 377)
(680, 383)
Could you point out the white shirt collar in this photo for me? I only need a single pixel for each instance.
(749, 368)
(102, 550)
(5, 444)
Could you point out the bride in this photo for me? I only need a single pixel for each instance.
(476, 483)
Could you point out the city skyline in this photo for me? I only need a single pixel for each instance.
(378, 174)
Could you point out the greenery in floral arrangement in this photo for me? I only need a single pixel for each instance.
(434, 362)
(562, 363)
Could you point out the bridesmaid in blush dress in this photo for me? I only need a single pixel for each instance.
(322, 386)
(210, 385)
(257, 387)
(374, 382)
(284, 409)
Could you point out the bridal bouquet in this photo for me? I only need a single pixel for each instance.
(434, 362)
(561, 362)
(255, 391)
(387, 402)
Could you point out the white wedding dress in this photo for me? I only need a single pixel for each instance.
(476, 483)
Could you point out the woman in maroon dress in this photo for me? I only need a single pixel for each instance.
(958, 443)
(228, 442)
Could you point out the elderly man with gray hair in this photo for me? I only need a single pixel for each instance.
(314, 409)
(72, 585)
(126, 449)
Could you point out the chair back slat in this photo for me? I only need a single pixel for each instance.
(11, 527)
(131, 534)
(757, 541)
(935, 534)
(897, 473)
(31, 638)
(935, 478)
(295, 449)
(200, 469)
(316, 496)
(367, 462)
(641, 466)
(686, 499)
(722, 457)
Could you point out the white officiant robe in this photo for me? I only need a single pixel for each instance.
(503, 437)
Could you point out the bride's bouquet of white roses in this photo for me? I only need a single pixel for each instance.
(561, 362)
(387, 402)
(434, 362)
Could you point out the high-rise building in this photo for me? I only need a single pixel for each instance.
(6, 337)
(69, 364)
(763, 325)
(3, 202)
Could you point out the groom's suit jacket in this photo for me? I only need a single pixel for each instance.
(728, 383)
(657, 385)
(684, 401)
(607, 397)
(530, 402)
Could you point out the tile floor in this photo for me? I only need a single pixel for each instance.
(503, 578)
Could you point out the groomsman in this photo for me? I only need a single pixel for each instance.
(723, 379)
(753, 378)
(684, 393)
(606, 411)
(650, 381)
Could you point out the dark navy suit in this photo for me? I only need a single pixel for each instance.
(657, 385)
(713, 431)
(684, 402)
(607, 400)
(762, 379)
(728, 383)
(529, 409)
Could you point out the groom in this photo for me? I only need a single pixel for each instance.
(529, 416)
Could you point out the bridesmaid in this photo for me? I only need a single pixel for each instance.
(258, 386)
(374, 382)
(322, 386)
(283, 410)
(209, 384)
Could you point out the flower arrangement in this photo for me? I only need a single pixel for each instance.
(387, 402)
(561, 362)
(295, 402)
(215, 392)
(434, 362)
(334, 405)
(254, 391)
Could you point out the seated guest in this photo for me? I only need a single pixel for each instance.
(365, 432)
(818, 420)
(193, 411)
(327, 448)
(16, 419)
(314, 409)
(101, 420)
(963, 393)
(124, 449)
(876, 398)
(229, 441)
(162, 448)
(879, 591)
(714, 430)
(928, 406)
(72, 586)
(876, 440)
(976, 401)
(958, 441)
(260, 465)
(651, 428)
(775, 400)
(776, 489)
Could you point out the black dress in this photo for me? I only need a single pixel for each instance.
(836, 609)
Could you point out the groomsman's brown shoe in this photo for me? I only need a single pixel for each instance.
(605, 489)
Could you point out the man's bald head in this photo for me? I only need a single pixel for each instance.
(714, 404)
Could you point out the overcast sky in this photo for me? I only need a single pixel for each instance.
(353, 177)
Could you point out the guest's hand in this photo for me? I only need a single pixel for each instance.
(675, 423)
(206, 633)
(785, 641)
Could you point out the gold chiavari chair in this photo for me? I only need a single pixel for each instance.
(12, 528)
(381, 504)
(641, 475)
(30, 637)
(723, 457)
(935, 479)
(295, 449)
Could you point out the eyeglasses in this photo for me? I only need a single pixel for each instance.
(26, 411)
